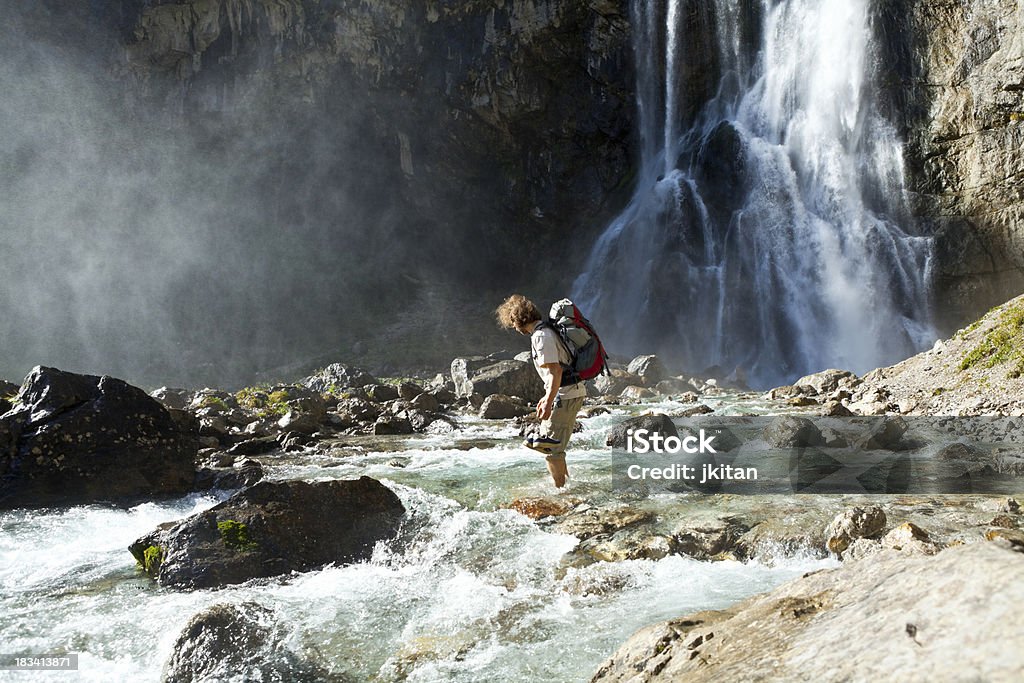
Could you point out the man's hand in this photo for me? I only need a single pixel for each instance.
(544, 408)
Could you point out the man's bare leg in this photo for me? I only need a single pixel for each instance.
(559, 471)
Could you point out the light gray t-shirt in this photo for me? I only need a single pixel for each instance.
(546, 348)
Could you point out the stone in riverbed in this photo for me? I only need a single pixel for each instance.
(854, 523)
(269, 529)
(649, 368)
(790, 431)
(173, 399)
(425, 401)
(908, 537)
(381, 393)
(76, 439)
(618, 437)
(228, 641)
(501, 407)
(392, 424)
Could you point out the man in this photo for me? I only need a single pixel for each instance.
(558, 408)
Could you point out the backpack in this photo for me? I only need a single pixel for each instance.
(588, 359)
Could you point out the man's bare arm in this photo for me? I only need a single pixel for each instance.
(552, 381)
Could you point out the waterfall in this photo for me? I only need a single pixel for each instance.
(769, 232)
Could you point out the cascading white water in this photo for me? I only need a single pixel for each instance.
(772, 234)
(472, 592)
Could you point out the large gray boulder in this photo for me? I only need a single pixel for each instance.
(502, 407)
(892, 616)
(649, 368)
(269, 529)
(338, 376)
(509, 377)
(827, 381)
(74, 439)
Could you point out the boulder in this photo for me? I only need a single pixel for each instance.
(835, 409)
(425, 401)
(269, 529)
(827, 381)
(337, 376)
(75, 439)
(502, 407)
(611, 385)
(354, 410)
(175, 399)
(301, 422)
(244, 472)
(673, 385)
(635, 393)
(618, 437)
(409, 390)
(509, 377)
(781, 393)
(885, 434)
(649, 368)
(244, 641)
(710, 540)
(213, 402)
(381, 392)
(445, 397)
(908, 537)
(790, 431)
(392, 424)
(891, 616)
(851, 524)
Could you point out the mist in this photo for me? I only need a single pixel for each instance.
(208, 231)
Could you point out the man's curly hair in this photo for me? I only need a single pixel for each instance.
(516, 312)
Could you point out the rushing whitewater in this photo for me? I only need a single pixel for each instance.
(769, 233)
(473, 592)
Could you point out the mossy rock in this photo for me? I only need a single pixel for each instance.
(236, 535)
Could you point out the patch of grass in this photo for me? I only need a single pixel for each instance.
(1002, 345)
(265, 404)
(236, 535)
(214, 402)
(938, 391)
(152, 558)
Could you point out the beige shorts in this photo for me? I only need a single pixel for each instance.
(561, 423)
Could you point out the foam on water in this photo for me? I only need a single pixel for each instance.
(464, 595)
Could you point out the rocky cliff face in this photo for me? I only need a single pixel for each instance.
(962, 101)
(498, 119)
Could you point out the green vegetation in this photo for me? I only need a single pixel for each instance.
(152, 558)
(263, 402)
(236, 535)
(1003, 344)
(214, 402)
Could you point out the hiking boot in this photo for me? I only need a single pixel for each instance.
(542, 444)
